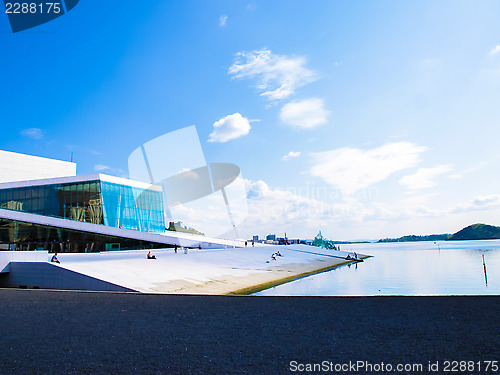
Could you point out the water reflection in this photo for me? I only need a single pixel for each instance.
(412, 268)
(485, 274)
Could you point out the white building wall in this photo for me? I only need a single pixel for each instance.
(21, 256)
(21, 167)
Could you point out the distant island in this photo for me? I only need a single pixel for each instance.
(472, 232)
(477, 232)
(414, 238)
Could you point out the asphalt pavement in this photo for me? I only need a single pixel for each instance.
(121, 333)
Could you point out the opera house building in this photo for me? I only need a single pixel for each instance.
(44, 205)
(110, 233)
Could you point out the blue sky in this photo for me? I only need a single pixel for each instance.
(360, 119)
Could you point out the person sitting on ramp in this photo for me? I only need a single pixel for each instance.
(54, 259)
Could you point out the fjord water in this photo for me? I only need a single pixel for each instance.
(407, 268)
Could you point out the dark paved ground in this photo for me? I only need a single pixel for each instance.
(111, 333)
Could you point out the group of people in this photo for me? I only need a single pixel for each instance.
(352, 256)
(150, 256)
(55, 259)
(276, 254)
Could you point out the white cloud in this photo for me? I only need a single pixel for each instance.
(278, 76)
(35, 133)
(114, 171)
(424, 177)
(291, 155)
(478, 203)
(101, 168)
(275, 209)
(306, 114)
(209, 214)
(430, 63)
(186, 173)
(495, 50)
(222, 20)
(230, 127)
(398, 212)
(278, 210)
(352, 169)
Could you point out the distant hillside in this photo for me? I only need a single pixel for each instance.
(411, 238)
(472, 232)
(477, 232)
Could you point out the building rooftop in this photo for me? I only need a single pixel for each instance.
(19, 167)
(72, 179)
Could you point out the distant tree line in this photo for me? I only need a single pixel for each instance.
(472, 232)
(411, 238)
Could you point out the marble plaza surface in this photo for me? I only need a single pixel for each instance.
(222, 271)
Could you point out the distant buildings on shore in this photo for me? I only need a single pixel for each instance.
(274, 240)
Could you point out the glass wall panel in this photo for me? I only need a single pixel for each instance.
(77, 201)
(93, 202)
(132, 208)
(27, 236)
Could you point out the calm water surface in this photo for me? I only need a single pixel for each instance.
(411, 268)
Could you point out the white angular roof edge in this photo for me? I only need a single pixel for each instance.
(34, 157)
(84, 178)
(20, 167)
(169, 238)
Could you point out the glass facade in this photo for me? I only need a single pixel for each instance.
(96, 202)
(132, 208)
(79, 201)
(17, 235)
